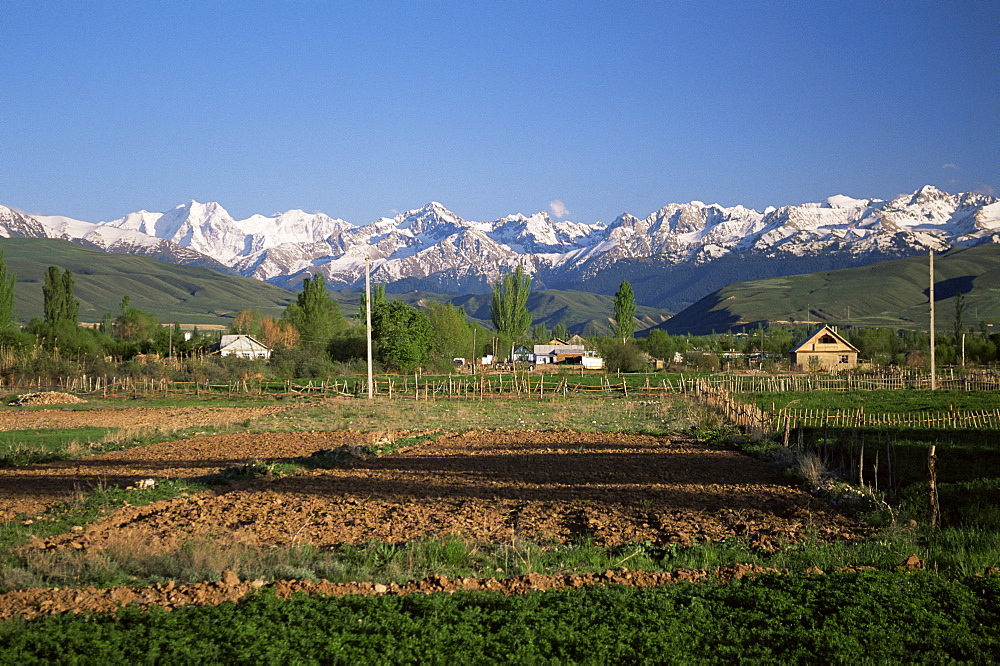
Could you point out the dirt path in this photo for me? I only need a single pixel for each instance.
(33, 603)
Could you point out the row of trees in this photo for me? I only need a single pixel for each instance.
(312, 334)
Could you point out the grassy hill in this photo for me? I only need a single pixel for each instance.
(193, 295)
(182, 294)
(889, 293)
(581, 311)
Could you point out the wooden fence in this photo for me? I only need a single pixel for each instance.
(975, 419)
(755, 419)
(396, 387)
(480, 386)
(975, 380)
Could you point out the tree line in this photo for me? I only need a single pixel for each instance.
(312, 338)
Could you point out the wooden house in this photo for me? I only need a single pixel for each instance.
(825, 349)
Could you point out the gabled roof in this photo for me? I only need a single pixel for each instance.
(814, 337)
(243, 342)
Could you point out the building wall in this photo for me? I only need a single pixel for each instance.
(827, 360)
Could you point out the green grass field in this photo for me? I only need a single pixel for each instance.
(872, 617)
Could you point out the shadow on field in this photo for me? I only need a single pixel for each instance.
(612, 469)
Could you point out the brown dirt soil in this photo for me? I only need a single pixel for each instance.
(133, 417)
(485, 485)
(495, 486)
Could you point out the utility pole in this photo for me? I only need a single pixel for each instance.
(368, 322)
(933, 369)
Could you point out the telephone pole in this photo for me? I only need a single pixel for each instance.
(368, 322)
(933, 369)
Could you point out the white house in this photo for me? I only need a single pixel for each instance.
(243, 346)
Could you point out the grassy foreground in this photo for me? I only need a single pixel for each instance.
(841, 618)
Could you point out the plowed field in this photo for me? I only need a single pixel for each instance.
(550, 486)
(485, 485)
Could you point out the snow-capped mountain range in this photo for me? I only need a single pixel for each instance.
(433, 249)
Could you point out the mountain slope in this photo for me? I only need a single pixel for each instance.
(174, 293)
(193, 295)
(889, 293)
(582, 312)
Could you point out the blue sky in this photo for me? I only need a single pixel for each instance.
(361, 110)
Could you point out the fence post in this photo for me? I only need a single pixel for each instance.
(932, 493)
(861, 461)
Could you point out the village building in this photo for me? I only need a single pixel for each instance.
(522, 354)
(562, 352)
(825, 349)
(243, 346)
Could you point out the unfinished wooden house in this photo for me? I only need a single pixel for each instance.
(825, 349)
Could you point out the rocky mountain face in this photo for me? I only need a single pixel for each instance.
(433, 249)
(18, 225)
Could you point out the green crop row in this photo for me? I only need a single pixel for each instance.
(872, 617)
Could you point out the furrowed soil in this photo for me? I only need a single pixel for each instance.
(487, 486)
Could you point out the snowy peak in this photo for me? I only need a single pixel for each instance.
(434, 248)
(539, 233)
(432, 218)
(842, 201)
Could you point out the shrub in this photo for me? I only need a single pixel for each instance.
(811, 468)
(625, 357)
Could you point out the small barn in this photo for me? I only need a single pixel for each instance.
(243, 346)
(825, 349)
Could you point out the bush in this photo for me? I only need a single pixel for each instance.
(299, 362)
(625, 357)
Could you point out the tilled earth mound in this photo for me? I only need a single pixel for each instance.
(34, 488)
(134, 417)
(34, 603)
(47, 398)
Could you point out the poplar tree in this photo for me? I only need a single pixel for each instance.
(7, 281)
(58, 303)
(624, 312)
(314, 314)
(509, 308)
